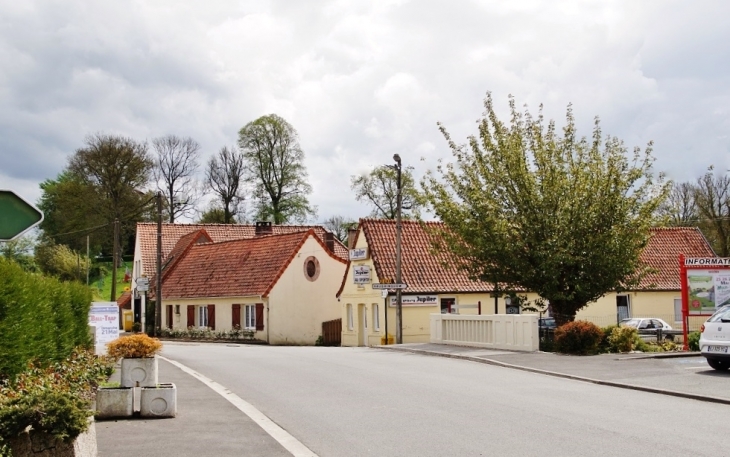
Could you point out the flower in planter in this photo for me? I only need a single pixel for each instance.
(134, 347)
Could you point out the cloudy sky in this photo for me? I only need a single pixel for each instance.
(359, 80)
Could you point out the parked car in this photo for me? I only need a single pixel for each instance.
(650, 326)
(546, 323)
(715, 339)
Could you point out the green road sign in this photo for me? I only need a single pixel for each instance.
(16, 215)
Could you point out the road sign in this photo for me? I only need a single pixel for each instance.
(381, 286)
(16, 215)
(143, 284)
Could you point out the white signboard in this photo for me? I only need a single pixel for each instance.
(416, 300)
(361, 273)
(359, 254)
(105, 317)
(143, 284)
(707, 261)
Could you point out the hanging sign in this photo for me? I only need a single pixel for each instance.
(415, 300)
(359, 254)
(361, 274)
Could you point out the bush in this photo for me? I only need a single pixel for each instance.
(41, 319)
(579, 337)
(693, 340)
(134, 347)
(623, 339)
(55, 399)
(604, 346)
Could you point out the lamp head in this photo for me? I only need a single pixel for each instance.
(507, 300)
(396, 157)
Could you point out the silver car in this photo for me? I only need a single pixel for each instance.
(715, 339)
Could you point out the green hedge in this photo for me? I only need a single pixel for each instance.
(41, 318)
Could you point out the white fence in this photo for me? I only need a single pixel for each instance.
(496, 331)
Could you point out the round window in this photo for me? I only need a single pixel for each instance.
(311, 268)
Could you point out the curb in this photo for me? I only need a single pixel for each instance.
(672, 393)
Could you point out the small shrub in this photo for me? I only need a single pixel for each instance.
(136, 327)
(134, 346)
(579, 337)
(694, 341)
(623, 339)
(604, 346)
(320, 341)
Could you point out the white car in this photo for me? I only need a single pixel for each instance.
(715, 339)
(648, 327)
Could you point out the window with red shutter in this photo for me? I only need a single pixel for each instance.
(236, 316)
(259, 317)
(211, 317)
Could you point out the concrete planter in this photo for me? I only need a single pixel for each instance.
(159, 401)
(38, 444)
(142, 371)
(114, 402)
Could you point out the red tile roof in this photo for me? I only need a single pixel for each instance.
(662, 254)
(171, 233)
(426, 272)
(234, 268)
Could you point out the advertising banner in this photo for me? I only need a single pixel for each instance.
(707, 290)
(361, 274)
(105, 317)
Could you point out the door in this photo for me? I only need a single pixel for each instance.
(169, 316)
(362, 326)
(622, 307)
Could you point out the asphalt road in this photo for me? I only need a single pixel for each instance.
(369, 402)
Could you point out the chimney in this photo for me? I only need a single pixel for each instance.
(263, 228)
(329, 241)
(351, 234)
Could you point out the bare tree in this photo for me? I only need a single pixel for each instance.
(339, 226)
(223, 176)
(176, 164)
(679, 207)
(712, 199)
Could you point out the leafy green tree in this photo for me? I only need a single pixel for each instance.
(214, 215)
(20, 251)
(379, 189)
(527, 207)
(60, 261)
(275, 165)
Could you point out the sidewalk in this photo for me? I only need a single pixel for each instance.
(206, 425)
(678, 374)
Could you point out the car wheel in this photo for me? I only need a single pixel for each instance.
(669, 338)
(719, 365)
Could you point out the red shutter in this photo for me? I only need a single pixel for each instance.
(169, 316)
(211, 317)
(191, 316)
(259, 317)
(236, 316)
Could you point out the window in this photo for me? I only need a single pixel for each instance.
(250, 317)
(202, 316)
(311, 268)
(376, 317)
(350, 325)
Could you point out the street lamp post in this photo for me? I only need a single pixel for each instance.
(398, 230)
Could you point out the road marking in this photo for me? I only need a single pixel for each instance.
(291, 444)
(694, 368)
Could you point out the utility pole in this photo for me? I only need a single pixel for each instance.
(158, 294)
(398, 230)
(114, 260)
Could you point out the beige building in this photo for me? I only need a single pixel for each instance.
(281, 287)
(435, 285)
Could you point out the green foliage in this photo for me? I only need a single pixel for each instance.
(379, 189)
(623, 339)
(579, 337)
(694, 341)
(528, 206)
(320, 341)
(214, 215)
(60, 261)
(275, 166)
(604, 346)
(20, 251)
(194, 333)
(54, 398)
(40, 318)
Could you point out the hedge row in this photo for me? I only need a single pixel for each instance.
(41, 318)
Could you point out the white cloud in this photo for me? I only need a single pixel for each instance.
(358, 80)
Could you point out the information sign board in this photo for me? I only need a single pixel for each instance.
(104, 316)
